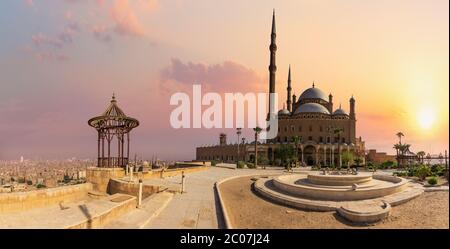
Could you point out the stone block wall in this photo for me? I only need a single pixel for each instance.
(23, 201)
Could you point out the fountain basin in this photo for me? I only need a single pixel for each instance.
(339, 180)
(384, 185)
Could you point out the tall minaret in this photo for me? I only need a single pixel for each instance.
(289, 88)
(352, 108)
(272, 66)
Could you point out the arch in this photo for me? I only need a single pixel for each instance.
(309, 154)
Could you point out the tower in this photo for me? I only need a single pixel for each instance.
(272, 66)
(330, 103)
(352, 108)
(289, 89)
(352, 120)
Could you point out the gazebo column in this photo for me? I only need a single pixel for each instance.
(98, 150)
(109, 151)
(123, 163)
(324, 156)
(128, 147)
(317, 155)
(103, 149)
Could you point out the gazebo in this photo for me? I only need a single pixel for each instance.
(113, 125)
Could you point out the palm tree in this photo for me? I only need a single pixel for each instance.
(400, 135)
(296, 140)
(338, 132)
(421, 154)
(257, 130)
(397, 149)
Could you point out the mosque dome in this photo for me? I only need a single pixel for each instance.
(284, 111)
(312, 108)
(340, 111)
(313, 93)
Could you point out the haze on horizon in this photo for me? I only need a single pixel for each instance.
(60, 62)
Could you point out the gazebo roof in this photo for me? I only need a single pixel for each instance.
(113, 118)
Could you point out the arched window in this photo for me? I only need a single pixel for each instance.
(310, 138)
(285, 139)
(321, 139)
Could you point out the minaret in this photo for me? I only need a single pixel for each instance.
(272, 66)
(289, 88)
(352, 108)
(330, 103)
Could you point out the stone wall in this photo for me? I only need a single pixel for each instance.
(131, 188)
(99, 177)
(23, 201)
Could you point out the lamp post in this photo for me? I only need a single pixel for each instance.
(238, 132)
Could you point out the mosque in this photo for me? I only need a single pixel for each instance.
(320, 129)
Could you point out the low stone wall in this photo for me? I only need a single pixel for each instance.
(99, 177)
(131, 188)
(168, 172)
(23, 201)
(100, 220)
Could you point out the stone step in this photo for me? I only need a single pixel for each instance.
(138, 218)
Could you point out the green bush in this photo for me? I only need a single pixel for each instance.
(40, 185)
(251, 165)
(432, 181)
(400, 173)
(422, 172)
(438, 170)
(214, 163)
(240, 164)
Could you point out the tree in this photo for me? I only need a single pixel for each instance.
(285, 153)
(296, 140)
(257, 130)
(421, 154)
(347, 158)
(400, 135)
(397, 149)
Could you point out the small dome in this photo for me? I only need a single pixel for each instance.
(284, 112)
(313, 93)
(312, 108)
(340, 111)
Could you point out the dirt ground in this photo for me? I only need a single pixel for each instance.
(249, 210)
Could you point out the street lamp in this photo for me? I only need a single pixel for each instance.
(238, 132)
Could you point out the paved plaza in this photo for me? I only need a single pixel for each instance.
(198, 207)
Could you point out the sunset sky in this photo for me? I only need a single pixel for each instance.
(60, 62)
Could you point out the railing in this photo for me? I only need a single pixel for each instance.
(112, 162)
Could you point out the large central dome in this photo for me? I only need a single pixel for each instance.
(311, 108)
(313, 93)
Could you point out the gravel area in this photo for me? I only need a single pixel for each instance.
(248, 210)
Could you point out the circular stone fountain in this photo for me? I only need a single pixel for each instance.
(364, 197)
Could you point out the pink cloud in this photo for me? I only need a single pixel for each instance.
(101, 33)
(125, 19)
(227, 76)
(29, 3)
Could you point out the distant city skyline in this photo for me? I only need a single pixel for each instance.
(61, 61)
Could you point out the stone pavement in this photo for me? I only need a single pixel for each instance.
(198, 207)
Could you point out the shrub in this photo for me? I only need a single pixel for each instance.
(251, 165)
(240, 164)
(213, 163)
(432, 181)
(438, 170)
(277, 162)
(400, 173)
(422, 172)
(40, 185)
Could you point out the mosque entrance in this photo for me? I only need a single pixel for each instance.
(310, 153)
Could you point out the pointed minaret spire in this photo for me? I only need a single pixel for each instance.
(272, 65)
(289, 89)
(313, 84)
(274, 29)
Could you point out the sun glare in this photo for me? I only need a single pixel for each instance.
(426, 118)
